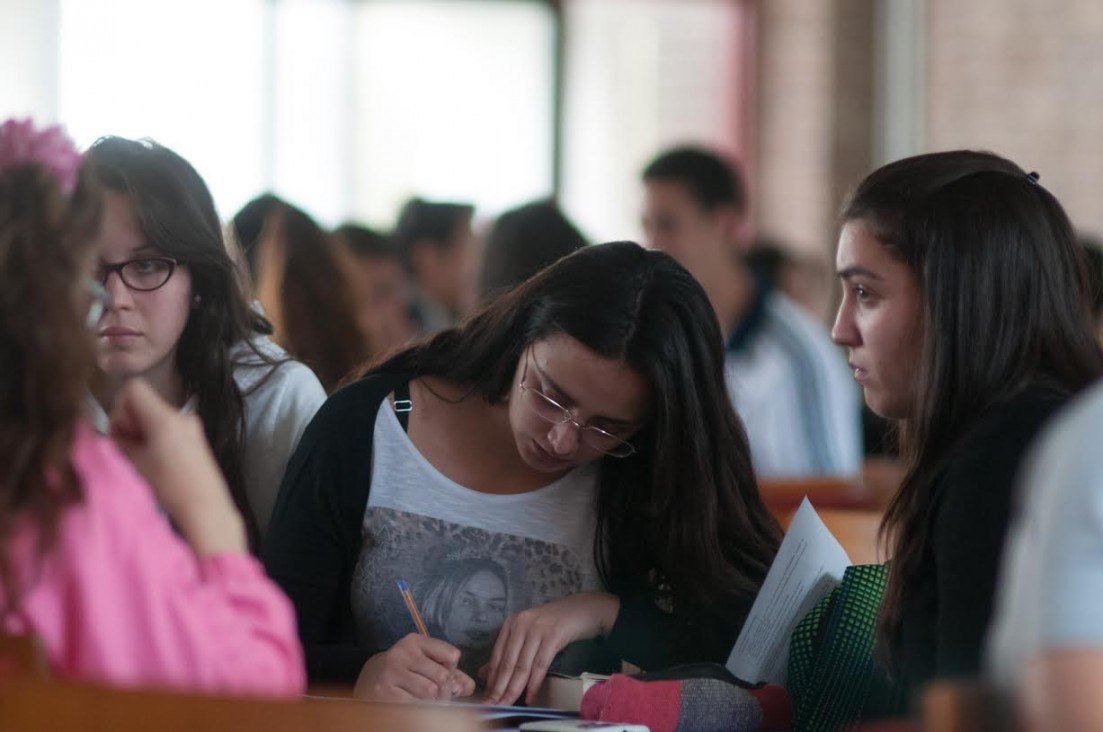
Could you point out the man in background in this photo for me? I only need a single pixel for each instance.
(786, 379)
(440, 251)
(383, 288)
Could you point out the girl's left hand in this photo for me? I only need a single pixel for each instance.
(530, 640)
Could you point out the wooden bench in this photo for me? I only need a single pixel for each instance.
(872, 491)
(22, 656)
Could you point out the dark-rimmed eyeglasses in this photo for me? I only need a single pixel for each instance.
(144, 274)
(554, 413)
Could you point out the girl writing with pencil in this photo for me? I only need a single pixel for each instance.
(564, 466)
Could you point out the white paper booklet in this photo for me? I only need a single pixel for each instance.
(809, 564)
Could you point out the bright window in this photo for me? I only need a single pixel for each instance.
(454, 101)
(189, 75)
(642, 76)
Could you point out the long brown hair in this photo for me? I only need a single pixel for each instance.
(306, 284)
(46, 240)
(1005, 308)
(680, 521)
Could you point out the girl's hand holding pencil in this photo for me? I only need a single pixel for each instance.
(417, 667)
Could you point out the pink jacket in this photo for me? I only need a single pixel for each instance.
(121, 599)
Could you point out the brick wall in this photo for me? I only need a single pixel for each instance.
(1019, 77)
(795, 112)
(1024, 79)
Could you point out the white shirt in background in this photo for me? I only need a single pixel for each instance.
(795, 394)
(1051, 589)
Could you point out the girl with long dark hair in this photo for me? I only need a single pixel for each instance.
(178, 316)
(89, 563)
(966, 320)
(576, 432)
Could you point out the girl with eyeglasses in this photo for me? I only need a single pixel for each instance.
(89, 563)
(575, 438)
(178, 316)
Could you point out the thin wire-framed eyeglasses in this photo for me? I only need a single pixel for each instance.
(143, 274)
(554, 413)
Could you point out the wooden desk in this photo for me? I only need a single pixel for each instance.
(31, 705)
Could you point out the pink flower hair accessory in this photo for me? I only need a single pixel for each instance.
(22, 144)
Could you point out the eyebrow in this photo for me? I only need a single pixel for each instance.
(142, 252)
(570, 399)
(855, 271)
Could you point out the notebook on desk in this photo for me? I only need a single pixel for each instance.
(494, 716)
(502, 717)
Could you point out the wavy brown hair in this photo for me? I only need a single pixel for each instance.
(1004, 306)
(46, 241)
(306, 284)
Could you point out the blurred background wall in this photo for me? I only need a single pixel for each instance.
(348, 107)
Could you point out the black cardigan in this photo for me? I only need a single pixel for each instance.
(948, 601)
(314, 541)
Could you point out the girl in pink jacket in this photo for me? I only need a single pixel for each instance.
(89, 562)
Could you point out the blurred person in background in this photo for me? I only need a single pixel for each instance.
(177, 315)
(384, 289)
(1046, 645)
(806, 282)
(440, 251)
(307, 286)
(803, 278)
(248, 224)
(787, 381)
(524, 241)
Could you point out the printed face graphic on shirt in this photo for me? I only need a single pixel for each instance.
(466, 602)
(465, 581)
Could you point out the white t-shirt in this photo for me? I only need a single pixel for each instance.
(276, 409)
(798, 400)
(1051, 591)
(470, 558)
